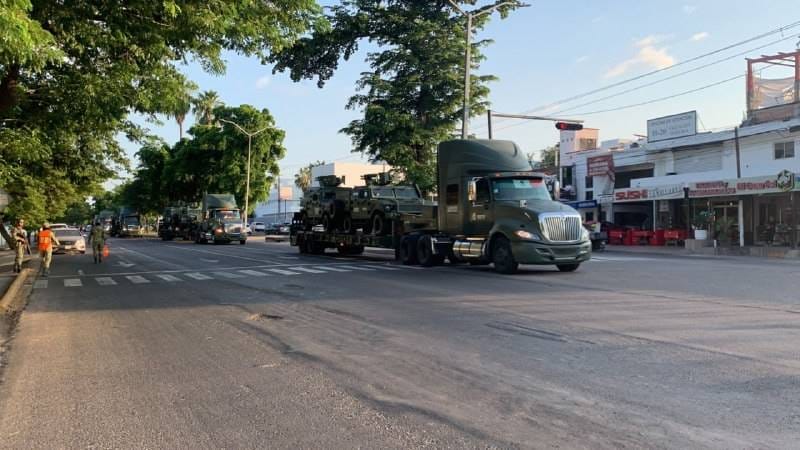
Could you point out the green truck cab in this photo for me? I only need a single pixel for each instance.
(221, 221)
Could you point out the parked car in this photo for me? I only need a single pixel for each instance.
(71, 241)
(284, 228)
(259, 227)
(59, 226)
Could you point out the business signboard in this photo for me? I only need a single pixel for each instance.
(600, 166)
(671, 127)
(667, 192)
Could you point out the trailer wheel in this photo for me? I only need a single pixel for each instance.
(425, 254)
(347, 223)
(327, 223)
(301, 246)
(568, 267)
(356, 249)
(502, 257)
(408, 250)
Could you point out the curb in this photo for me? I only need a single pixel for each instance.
(6, 302)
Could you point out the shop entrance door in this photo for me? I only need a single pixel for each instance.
(726, 217)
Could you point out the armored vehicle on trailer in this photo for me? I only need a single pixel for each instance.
(326, 205)
(179, 222)
(376, 205)
(221, 221)
(492, 210)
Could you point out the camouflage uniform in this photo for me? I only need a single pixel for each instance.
(97, 239)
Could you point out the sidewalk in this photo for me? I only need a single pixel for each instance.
(771, 253)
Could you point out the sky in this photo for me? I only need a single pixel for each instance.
(543, 54)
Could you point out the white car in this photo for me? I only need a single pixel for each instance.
(71, 241)
(259, 227)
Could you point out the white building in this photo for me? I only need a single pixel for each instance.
(281, 204)
(351, 173)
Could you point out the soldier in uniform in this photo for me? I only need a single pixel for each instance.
(97, 239)
(21, 241)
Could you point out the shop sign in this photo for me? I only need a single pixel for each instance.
(668, 192)
(671, 127)
(584, 204)
(605, 199)
(784, 181)
(600, 166)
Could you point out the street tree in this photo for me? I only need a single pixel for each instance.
(411, 97)
(204, 106)
(70, 73)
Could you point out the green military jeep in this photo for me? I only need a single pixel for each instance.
(326, 205)
(374, 207)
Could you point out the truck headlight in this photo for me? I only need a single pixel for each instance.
(388, 207)
(584, 234)
(527, 235)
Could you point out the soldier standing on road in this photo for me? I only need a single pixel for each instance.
(97, 239)
(46, 240)
(21, 241)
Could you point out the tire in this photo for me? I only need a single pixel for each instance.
(347, 224)
(327, 223)
(408, 251)
(379, 225)
(502, 257)
(301, 246)
(568, 267)
(243, 242)
(304, 222)
(425, 254)
(356, 249)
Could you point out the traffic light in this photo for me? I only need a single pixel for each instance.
(568, 126)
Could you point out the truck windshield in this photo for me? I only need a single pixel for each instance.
(407, 192)
(520, 189)
(226, 214)
(386, 192)
(131, 221)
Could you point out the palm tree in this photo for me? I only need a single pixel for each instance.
(204, 106)
(181, 110)
(302, 179)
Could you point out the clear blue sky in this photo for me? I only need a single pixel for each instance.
(544, 53)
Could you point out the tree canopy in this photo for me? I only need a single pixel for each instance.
(412, 95)
(71, 73)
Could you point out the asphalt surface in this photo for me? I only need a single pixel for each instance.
(171, 345)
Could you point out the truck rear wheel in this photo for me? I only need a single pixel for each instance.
(408, 250)
(502, 257)
(425, 254)
(568, 267)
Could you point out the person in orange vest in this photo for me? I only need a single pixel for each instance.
(46, 240)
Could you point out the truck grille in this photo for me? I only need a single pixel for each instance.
(560, 228)
(409, 208)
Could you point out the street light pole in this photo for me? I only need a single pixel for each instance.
(250, 136)
(468, 52)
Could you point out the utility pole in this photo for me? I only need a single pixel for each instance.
(250, 136)
(470, 15)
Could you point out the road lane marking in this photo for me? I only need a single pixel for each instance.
(282, 272)
(385, 267)
(307, 270)
(105, 281)
(137, 279)
(168, 277)
(356, 268)
(254, 273)
(332, 269)
(72, 282)
(40, 284)
(226, 275)
(197, 276)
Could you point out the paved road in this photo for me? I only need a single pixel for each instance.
(179, 345)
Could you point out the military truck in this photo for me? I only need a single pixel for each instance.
(326, 205)
(105, 217)
(126, 223)
(179, 222)
(221, 221)
(376, 205)
(492, 210)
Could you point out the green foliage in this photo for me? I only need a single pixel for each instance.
(71, 72)
(547, 157)
(412, 96)
(302, 179)
(204, 106)
(702, 220)
(77, 213)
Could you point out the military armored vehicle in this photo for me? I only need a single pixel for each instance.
(179, 221)
(326, 205)
(492, 210)
(221, 221)
(376, 205)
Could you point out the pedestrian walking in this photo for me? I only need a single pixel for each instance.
(21, 243)
(97, 239)
(46, 240)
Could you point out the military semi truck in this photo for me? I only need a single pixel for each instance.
(126, 223)
(105, 217)
(221, 221)
(492, 209)
(179, 222)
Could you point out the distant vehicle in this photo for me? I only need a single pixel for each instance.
(221, 221)
(59, 226)
(105, 218)
(126, 224)
(71, 241)
(259, 227)
(284, 228)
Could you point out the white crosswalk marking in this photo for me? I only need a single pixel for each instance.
(137, 279)
(356, 268)
(307, 270)
(198, 276)
(40, 284)
(282, 272)
(105, 281)
(227, 275)
(168, 277)
(254, 273)
(332, 269)
(72, 282)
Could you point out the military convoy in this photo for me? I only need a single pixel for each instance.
(220, 221)
(492, 209)
(178, 222)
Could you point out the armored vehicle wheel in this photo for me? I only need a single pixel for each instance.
(347, 223)
(317, 248)
(304, 222)
(502, 257)
(425, 254)
(327, 222)
(380, 225)
(568, 267)
(408, 250)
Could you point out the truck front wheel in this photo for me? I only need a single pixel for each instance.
(408, 251)
(568, 267)
(502, 257)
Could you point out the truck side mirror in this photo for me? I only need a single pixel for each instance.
(472, 191)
